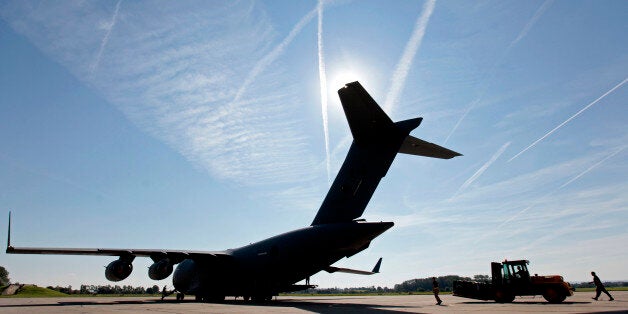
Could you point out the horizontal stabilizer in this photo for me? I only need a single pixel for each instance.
(415, 146)
(332, 269)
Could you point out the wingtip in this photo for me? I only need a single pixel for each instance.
(377, 266)
(9, 234)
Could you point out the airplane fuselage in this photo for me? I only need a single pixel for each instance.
(273, 265)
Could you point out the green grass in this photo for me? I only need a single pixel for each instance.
(36, 292)
(39, 292)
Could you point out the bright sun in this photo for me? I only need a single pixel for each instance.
(338, 79)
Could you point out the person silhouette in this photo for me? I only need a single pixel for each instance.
(436, 290)
(599, 287)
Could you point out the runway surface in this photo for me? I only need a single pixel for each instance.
(581, 302)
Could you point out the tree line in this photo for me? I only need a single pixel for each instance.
(108, 289)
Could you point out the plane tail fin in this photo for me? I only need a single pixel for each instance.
(376, 142)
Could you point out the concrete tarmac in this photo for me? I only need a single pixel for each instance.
(581, 302)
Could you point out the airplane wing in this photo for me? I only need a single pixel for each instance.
(175, 256)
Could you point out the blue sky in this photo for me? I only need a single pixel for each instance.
(210, 125)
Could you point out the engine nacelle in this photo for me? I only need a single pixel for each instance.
(118, 270)
(186, 278)
(160, 269)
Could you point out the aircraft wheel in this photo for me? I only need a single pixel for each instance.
(180, 296)
(246, 298)
(216, 298)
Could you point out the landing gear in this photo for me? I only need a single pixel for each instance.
(262, 298)
(180, 296)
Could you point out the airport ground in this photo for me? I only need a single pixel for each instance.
(581, 302)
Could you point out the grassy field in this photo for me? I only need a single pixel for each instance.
(36, 292)
(40, 292)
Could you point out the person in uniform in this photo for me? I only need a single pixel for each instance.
(436, 290)
(599, 287)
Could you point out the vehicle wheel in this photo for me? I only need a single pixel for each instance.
(502, 296)
(246, 298)
(552, 295)
(180, 296)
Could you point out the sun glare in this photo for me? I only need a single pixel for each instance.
(342, 77)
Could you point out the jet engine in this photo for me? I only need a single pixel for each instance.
(160, 269)
(186, 277)
(118, 269)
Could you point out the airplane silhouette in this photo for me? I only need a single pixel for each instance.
(265, 268)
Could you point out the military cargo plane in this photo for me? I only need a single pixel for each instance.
(263, 269)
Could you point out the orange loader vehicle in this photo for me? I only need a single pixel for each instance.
(510, 279)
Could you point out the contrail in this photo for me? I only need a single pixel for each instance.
(592, 167)
(463, 116)
(323, 83)
(532, 21)
(570, 118)
(480, 171)
(274, 54)
(105, 39)
(560, 187)
(491, 72)
(401, 72)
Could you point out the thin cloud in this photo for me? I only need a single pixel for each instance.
(105, 40)
(570, 118)
(493, 69)
(323, 84)
(482, 169)
(592, 167)
(541, 199)
(178, 80)
(403, 67)
(268, 59)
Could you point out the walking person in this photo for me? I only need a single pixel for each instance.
(599, 287)
(165, 292)
(436, 290)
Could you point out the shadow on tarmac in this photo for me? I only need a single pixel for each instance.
(315, 307)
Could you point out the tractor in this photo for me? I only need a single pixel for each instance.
(510, 279)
